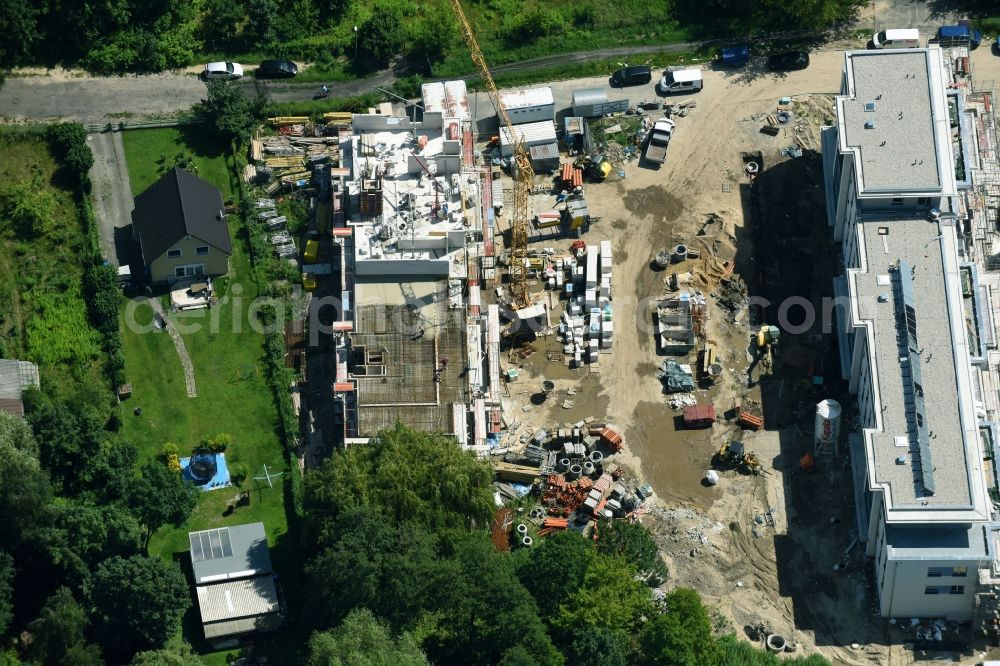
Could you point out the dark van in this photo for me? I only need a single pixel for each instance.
(959, 35)
(633, 75)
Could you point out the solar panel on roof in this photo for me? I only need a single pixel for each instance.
(211, 544)
(912, 375)
(197, 554)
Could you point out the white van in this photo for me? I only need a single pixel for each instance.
(906, 38)
(680, 81)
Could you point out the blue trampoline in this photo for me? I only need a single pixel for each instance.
(208, 471)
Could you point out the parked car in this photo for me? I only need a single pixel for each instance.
(734, 56)
(277, 69)
(905, 38)
(788, 61)
(225, 71)
(681, 81)
(631, 75)
(959, 35)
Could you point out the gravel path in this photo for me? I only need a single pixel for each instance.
(112, 191)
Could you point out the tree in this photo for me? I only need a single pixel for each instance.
(16, 434)
(221, 21)
(261, 15)
(598, 646)
(555, 569)
(482, 611)
(229, 111)
(69, 142)
(7, 572)
(410, 476)
(82, 535)
(433, 35)
(682, 635)
(24, 491)
(100, 287)
(364, 640)
(137, 604)
(18, 25)
(175, 653)
(610, 596)
(382, 35)
(633, 542)
(57, 636)
(160, 496)
(67, 442)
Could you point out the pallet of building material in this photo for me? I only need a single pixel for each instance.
(277, 223)
(283, 162)
(267, 214)
(264, 203)
(272, 187)
(288, 120)
(281, 238)
(295, 174)
(279, 150)
(249, 173)
(338, 117)
(255, 150)
(286, 251)
(516, 473)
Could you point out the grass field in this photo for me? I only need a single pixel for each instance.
(43, 317)
(233, 395)
(152, 152)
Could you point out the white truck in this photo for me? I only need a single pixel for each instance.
(656, 149)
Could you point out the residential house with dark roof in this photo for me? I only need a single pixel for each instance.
(180, 225)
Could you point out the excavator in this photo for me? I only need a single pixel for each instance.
(763, 344)
(524, 174)
(733, 455)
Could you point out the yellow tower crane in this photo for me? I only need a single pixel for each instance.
(524, 175)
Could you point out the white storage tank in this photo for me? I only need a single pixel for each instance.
(827, 423)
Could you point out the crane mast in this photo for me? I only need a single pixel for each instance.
(524, 175)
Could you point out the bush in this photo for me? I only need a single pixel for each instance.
(69, 143)
(219, 443)
(168, 449)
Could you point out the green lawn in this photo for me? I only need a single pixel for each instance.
(43, 317)
(233, 395)
(152, 152)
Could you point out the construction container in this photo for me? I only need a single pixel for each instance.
(529, 105)
(545, 157)
(594, 103)
(531, 134)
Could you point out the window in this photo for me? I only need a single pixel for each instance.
(173, 254)
(897, 201)
(191, 270)
(923, 201)
(201, 249)
(954, 572)
(944, 589)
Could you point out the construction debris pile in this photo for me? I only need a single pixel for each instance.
(286, 160)
(565, 468)
(587, 326)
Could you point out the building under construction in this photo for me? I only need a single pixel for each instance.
(411, 340)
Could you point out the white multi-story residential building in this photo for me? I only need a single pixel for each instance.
(911, 335)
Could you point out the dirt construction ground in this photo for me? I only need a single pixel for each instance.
(779, 548)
